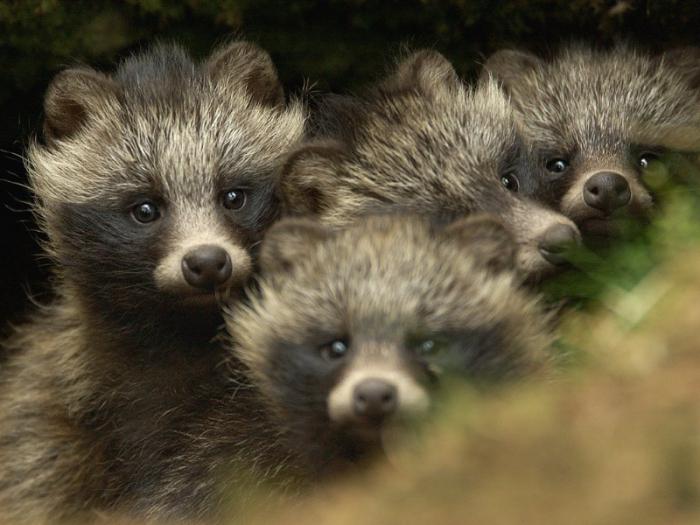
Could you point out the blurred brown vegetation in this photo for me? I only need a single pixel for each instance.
(614, 440)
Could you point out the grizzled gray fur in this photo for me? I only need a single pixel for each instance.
(393, 302)
(597, 121)
(423, 142)
(354, 329)
(153, 185)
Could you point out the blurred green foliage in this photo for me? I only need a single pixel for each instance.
(615, 268)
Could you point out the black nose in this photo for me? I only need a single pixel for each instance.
(555, 240)
(606, 191)
(374, 399)
(206, 266)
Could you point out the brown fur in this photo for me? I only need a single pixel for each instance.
(99, 380)
(600, 111)
(419, 142)
(380, 286)
(377, 283)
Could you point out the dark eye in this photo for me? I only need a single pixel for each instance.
(145, 212)
(509, 182)
(557, 165)
(429, 346)
(234, 199)
(334, 350)
(645, 159)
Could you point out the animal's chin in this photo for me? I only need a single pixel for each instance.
(372, 432)
(600, 228)
(191, 302)
(367, 431)
(621, 223)
(199, 298)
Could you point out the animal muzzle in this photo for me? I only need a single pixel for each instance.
(201, 266)
(374, 400)
(543, 236)
(207, 267)
(556, 240)
(607, 191)
(368, 397)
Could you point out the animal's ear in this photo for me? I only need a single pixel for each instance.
(508, 66)
(247, 65)
(486, 239)
(687, 61)
(307, 180)
(288, 242)
(426, 70)
(72, 97)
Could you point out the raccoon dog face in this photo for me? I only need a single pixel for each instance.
(598, 120)
(353, 328)
(422, 142)
(155, 183)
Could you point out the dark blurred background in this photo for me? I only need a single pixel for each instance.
(336, 45)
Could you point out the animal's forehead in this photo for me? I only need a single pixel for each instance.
(171, 128)
(590, 98)
(459, 121)
(437, 151)
(393, 268)
(200, 125)
(179, 145)
(392, 301)
(384, 281)
(188, 149)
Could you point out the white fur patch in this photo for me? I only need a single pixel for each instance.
(168, 274)
(574, 206)
(412, 397)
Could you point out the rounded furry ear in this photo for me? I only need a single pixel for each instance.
(508, 66)
(687, 61)
(289, 241)
(306, 183)
(70, 99)
(243, 64)
(486, 239)
(426, 70)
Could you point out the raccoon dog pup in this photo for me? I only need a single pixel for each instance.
(422, 142)
(348, 331)
(597, 121)
(354, 327)
(153, 187)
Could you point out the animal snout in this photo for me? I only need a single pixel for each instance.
(555, 240)
(606, 191)
(206, 267)
(374, 399)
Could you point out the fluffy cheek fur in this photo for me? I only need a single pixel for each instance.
(114, 261)
(314, 396)
(107, 256)
(297, 383)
